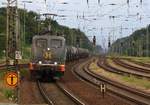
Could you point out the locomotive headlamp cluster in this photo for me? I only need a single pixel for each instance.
(40, 62)
(48, 49)
(55, 63)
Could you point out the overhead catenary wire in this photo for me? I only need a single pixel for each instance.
(94, 16)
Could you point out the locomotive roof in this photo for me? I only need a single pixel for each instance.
(48, 36)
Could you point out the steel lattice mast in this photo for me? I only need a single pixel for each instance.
(12, 37)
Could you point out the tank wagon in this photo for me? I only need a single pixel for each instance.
(49, 54)
(74, 53)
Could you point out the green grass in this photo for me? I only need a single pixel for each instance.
(137, 82)
(24, 61)
(1, 74)
(27, 52)
(9, 93)
(2, 60)
(139, 59)
(128, 80)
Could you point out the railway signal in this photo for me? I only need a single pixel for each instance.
(87, 1)
(109, 43)
(99, 1)
(133, 43)
(128, 2)
(94, 40)
(78, 41)
(141, 1)
(121, 44)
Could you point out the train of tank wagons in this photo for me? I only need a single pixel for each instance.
(49, 54)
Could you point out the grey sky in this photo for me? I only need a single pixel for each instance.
(94, 18)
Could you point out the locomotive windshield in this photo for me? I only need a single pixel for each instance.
(56, 43)
(41, 43)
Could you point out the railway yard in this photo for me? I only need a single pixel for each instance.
(74, 52)
(81, 84)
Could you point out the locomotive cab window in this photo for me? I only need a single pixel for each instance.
(56, 43)
(41, 43)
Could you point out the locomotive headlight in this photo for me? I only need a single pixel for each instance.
(48, 49)
(55, 63)
(40, 62)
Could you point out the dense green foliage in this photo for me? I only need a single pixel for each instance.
(2, 30)
(71, 35)
(137, 44)
(33, 25)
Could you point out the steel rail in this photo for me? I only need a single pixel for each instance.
(43, 93)
(70, 95)
(128, 66)
(103, 64)
(61, 87)
(112, 84)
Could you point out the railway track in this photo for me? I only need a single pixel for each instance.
(103, 63)
(69, 98)
(4, 66)
(56, 94)
(128, 66)
(43, 93)
(139, 63)
(133, 95)
(90, 94)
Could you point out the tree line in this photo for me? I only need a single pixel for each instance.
(137, 44)
(34, 25)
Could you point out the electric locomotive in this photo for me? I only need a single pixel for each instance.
(48, 56)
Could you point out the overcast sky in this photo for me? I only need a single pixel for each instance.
(95, 18)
